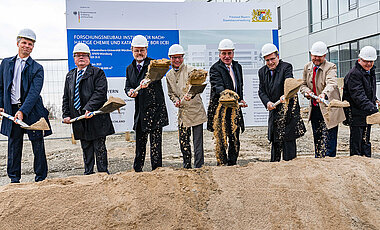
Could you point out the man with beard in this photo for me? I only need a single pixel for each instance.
(150, 109)
(360, 91)
(284, 125)
(86, 91)
(226, 74)
(21, 81)
(319, 78)
(191, 112)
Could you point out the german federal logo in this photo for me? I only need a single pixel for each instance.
(261, 15)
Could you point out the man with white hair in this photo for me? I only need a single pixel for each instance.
(85, 92)
(150, 109)
(360, 91)
(319, 78)
(21, 81)
(284, 125)
(191, 112)
(226, 73)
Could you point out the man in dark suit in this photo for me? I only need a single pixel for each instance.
(226, 74)
(360, 91)
(21, 81)
(86, 91)
(284, 126)
(150, 109)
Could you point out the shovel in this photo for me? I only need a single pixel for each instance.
(194, 90)
(331, 104)
(291, 87)
(373, 119)
(39, 125)
(111, 105)
(156, 71)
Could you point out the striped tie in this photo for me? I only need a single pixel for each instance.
(76, 91)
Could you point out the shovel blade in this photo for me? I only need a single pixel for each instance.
(197, 89)
(39, 125)
(112, 104)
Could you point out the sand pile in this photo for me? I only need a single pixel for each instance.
(306, 193)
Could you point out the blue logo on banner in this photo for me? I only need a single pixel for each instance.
(111, 49)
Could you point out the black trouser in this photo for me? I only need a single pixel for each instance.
(233, 143)
(155, 137)
(360, 140)
(184, 141)
(94, 149)
(325, 140)
(288, 148)
(15, 142)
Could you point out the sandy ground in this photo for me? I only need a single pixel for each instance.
(306, 193)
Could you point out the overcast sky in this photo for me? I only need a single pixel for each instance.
(45, 17)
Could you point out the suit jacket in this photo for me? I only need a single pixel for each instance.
(190, 113)
(271, 88)
(360, 91)
(220, 80)
(32, 79)
(326, 82)
(150, 107)
(92, 94)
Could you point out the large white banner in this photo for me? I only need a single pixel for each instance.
(109, 26)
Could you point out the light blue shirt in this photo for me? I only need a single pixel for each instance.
(16, 86)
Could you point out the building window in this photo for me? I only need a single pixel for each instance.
(324, 9)
(345, 55)
(279, 17)
(352, 4)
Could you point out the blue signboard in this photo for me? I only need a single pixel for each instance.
(111, 49)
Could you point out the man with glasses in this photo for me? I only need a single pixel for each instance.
(226, 73)
(21, 81)
(319, 78)
(360, 91)
(191, 112)
(285, 124)
(86, 91)
(150, 109)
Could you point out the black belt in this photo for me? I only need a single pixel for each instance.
(18, 105)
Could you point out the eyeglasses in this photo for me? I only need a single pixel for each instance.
(139, 51)
(81, 55)
(367, 62)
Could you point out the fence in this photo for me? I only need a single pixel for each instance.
(52, 91)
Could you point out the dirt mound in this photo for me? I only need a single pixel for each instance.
(306, 193)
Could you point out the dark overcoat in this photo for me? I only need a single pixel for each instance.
(150, 107)
(271, 89)
(93, 94)
(32, 79)
(220, 80)
(360, 91)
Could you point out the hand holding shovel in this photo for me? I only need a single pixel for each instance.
(330, 104)
(39, 125)
(291, 87)
(194, 90)
(111, 105)
(156, 71)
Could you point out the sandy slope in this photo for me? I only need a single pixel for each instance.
(306, 193)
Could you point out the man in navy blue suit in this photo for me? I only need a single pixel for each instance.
(21, 80)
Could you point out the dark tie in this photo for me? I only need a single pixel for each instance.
(315, 103)
(139, 68)
(76, 91)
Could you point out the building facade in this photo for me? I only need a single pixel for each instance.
(344, 25)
